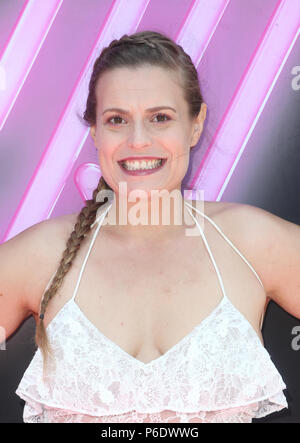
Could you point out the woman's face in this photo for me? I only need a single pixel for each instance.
(134, 130)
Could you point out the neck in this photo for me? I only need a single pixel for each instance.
(158, 219)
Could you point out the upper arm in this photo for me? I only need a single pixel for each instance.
(274, 245)
(26, 262)
(17, 256)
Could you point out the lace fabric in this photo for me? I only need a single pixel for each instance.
(219, 373)
(231, 415)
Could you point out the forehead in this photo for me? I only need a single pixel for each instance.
(149, 85)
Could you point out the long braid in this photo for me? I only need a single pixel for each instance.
(83, 224)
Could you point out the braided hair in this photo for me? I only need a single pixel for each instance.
(145, 47)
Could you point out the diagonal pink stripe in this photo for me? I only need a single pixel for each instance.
(249, 100)
(50, 176)
(37, 17)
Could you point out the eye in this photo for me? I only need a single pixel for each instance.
(114, 117)
(162, 115)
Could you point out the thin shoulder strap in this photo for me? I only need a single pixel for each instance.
(228, 241)
(99, 220)
(210, 253)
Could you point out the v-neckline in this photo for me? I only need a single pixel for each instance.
(131, 357)
(174, 347)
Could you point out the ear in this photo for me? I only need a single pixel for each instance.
(198, 125)
(93, 133)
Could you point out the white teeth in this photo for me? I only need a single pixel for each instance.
(140, 165)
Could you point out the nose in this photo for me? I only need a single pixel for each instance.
(139, 136)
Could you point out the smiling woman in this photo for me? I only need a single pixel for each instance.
(143, 131)
(156, 332)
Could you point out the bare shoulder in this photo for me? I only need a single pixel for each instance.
(27, 262)
(239, 220)
(227, 213)
(271, 243)
(50, 233)
(243, 225)
(48, 239)
(216, 209)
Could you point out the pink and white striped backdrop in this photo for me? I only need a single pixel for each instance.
(48, 163)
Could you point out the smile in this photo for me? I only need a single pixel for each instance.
(142, 167)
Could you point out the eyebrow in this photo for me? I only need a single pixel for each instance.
(123, 111)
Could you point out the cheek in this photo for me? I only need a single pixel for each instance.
(107, 148)
(180, 155)
(178, 148)
(173, 140)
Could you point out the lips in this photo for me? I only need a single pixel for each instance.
(140, 159)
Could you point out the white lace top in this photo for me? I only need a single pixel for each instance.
(220, 372)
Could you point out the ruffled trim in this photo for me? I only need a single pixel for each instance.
(240, 392)
(265, 399)
(37, 412)
(275, 403)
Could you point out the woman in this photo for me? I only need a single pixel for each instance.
(164, 327)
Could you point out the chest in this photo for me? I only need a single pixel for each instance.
(147, 299)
